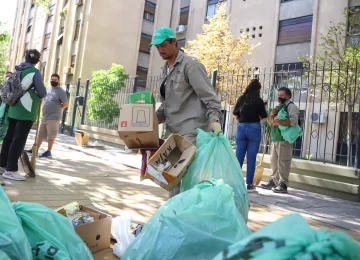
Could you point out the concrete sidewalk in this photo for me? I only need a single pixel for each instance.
(110, 186)
(334, 211)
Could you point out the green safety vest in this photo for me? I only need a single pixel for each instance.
(27, 107)
(275, 131)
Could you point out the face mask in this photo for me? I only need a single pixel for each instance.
(282, 100)
(54, 83)
(7, 78)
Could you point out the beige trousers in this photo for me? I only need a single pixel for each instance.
(280, 159)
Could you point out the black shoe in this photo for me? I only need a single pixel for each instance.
(269, 185)
(251, 188)
(281, 188)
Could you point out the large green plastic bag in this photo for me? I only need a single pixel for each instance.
(215, 158)
(291, 237)
(13, 241)
(289, 133)
(50, 234)
(196, 224)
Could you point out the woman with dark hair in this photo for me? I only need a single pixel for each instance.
(249, 111)
(22, 115)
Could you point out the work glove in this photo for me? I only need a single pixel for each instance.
(215, 127)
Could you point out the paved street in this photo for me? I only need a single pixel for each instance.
(107, 184)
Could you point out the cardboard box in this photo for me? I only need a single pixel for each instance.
(96, 235)
(138, 126)
(81, 138)
(178, 153)
(106, 254)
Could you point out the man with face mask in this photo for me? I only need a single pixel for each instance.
(281, 151)
(54, 103)
(188, 99)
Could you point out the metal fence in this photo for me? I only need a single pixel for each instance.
(326, 94)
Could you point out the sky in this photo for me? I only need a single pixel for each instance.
(7, 12)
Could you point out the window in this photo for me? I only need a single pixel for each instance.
(354, 26)
(43, 65)
(241, 31)
(62, 29)
(296, 30)
(73, 59)
(184, 15)
(57, 64)
(30, 20)
(253, 36)
(52, 7)
(77, 30)
(149, 17)
(247, 29)
(254, 28)
(181, 43)
(260, 27)
(50, 18)
(26, 47)
(142, 73)
(211, 8)
(260, 34)
(145, 42)
(284, 1)
(149, 10)
(65, 2)
(46, 41)
(29, 29)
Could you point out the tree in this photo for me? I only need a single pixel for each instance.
(43, 4)
(4, 49)
(338, 64)
(104, 86)
(218, 49)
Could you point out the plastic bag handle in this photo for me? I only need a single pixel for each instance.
(207, 182)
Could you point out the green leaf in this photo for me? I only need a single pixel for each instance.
(104, 86)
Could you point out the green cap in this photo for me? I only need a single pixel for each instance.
(161, 34)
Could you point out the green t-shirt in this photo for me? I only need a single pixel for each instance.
(27, 107)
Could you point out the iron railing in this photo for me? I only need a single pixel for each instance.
(326, 94)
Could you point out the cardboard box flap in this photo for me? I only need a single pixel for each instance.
(169, 164)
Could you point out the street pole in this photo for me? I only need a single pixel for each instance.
(85, 101)
(357, 151)
(75, 107)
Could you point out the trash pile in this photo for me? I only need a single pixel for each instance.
(32, 231)
(207, 220)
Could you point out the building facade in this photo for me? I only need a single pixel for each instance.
(77, 37)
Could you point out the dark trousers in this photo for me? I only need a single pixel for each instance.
(14, 143)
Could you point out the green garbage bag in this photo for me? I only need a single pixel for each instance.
(4, 256)
(50, 234)
(196, 224)
(215, 158)
(13, 241)
(289, 133)
(291, 237)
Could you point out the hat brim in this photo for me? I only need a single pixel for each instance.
(157, 42)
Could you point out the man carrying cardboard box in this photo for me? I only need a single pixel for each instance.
(188, 99)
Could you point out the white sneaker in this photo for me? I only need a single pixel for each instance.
(13, 176)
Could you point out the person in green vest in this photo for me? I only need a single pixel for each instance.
(22, 115)
(281, 150)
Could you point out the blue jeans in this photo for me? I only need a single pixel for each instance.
(248, 138)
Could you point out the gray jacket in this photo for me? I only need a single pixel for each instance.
(190, 100)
